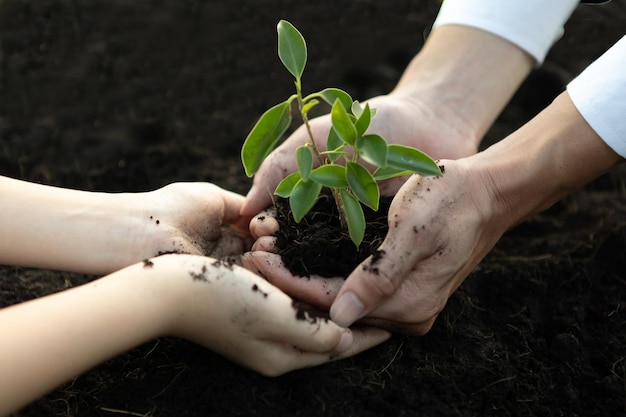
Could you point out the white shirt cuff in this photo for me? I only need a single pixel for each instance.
(599, 94)
(532, 25)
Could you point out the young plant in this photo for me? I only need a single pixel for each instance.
(348, 143)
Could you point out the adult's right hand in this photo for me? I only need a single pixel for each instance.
(439, 230)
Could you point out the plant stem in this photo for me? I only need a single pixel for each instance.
(320, 158)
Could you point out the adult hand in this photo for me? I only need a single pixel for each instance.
(447, 98)
(439, 229)
(414, 120)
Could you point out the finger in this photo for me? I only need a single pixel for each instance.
(228, 245)
(379, 276)
(279, 164)
(362, 339)
(265, 244)
(418, 329)
(233, 203)
(317, 291)
(277, 358)
(308, 331)
(264, 224)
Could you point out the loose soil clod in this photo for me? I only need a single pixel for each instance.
(319, 246)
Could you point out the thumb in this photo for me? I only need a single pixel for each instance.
(233, 203)
(380, 276)
(259, 198)
(278, 164)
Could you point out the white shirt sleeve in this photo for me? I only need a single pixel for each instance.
(599, 94)
(533, 25)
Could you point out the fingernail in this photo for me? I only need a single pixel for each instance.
(346, 309)
(345, 342)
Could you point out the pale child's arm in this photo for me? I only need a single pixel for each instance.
(223, 307)
(50, 227)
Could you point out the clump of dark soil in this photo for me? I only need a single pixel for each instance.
(319, 245)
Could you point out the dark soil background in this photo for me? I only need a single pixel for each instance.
(127, 96)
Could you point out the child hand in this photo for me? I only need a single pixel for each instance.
(234, 312)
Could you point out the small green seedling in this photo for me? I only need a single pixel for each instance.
(348, 142)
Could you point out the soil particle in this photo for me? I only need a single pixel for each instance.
(226, 261)
(319, 246)
(171, 252)
(199, 276)
(255, 288)
(377, 256)
(147, 263)
(368, 268)
(309, 315)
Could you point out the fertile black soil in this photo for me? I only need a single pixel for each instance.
(320, 245)
(127, 96)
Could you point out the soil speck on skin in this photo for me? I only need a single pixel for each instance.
(369, 268)
(147, 263)
(226, 261)
(199, 276)
(256, 288)
(171, 252)
(308, 315)
(377, 256)
(158, 222)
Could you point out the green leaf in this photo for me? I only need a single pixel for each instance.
(354, 217)
(304, 158)
(342, 123)
(363, 185)
(286, 186)
(330, 95)
(303, 198)
(332, 176)
(411, 159)
(263, 137)
(356, 109)
(384, 173)
(334, 143)
(291, 48)
(309, 105)
(363, 119)
(373, 149)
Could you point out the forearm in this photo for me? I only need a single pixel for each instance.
(47, 341)
(468, 73)
(551, 156)
(50, 227)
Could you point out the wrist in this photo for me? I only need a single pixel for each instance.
(468, 73)
(551, 156)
